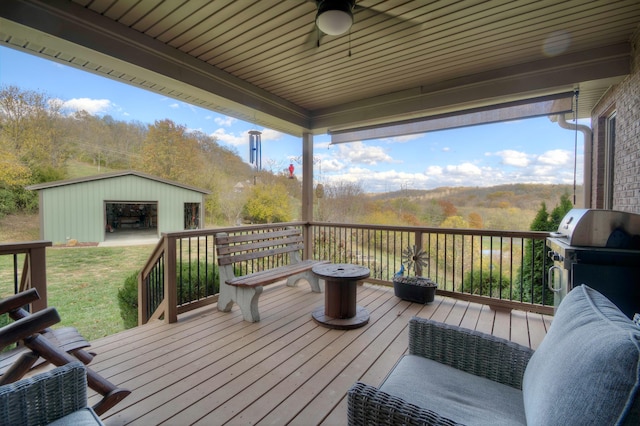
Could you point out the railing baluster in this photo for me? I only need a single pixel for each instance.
(453, 258)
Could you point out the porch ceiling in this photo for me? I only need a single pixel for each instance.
(258, 60)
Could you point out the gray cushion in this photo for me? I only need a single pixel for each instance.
(587, 368)
(454, 394)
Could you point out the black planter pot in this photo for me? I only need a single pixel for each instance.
(415, 289)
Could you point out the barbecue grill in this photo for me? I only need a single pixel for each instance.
(599, 248)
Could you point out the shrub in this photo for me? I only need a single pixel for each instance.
(8, 203)
(128, 301)
(484, 282)
(532, 279)
(196, 280)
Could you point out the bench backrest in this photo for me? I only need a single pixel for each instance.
(238, 248)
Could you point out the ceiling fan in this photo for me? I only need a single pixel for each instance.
(335, 17)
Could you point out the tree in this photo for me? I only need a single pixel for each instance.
(455, 222)
(342, 202)
(170, 152)
(32, 129)
(448, 209)
(268, 204)
(475, 220)
(531, 284)
(13, 173)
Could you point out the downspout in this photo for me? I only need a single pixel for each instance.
(588, 153)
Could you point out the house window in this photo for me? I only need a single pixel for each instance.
(609, 161)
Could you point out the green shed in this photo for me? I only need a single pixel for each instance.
(96, 208)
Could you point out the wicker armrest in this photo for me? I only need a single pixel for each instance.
(44, 397)
(366, 405)
(478, 353)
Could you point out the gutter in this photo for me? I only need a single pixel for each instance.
(588, 153)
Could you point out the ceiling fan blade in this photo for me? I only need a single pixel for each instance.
(364, 12)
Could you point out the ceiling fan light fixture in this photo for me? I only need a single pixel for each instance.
(334, 17)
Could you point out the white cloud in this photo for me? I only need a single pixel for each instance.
(464, 169)
(270, 135)
(555, 157)
(331, 165)
(359, 153)
(235, 139)
(514, 158)
(464, 174)
(230, 138)
(91, 106)
(225, 121)
(434, 171)
(174, 106)
(446, 149)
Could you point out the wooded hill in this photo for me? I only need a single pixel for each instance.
(503, 207)
(522, 196)
(39, 142)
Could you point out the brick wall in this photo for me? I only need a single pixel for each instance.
(624, 99)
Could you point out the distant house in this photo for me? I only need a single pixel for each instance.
(89, 208)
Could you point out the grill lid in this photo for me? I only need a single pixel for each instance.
(600, 228)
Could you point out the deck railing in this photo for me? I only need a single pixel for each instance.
(182, 274)
(29, 268)
(498, 268)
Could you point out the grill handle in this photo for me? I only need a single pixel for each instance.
(550, 280)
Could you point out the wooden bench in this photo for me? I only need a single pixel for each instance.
(245, 290)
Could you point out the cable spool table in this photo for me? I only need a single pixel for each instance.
(340, 310)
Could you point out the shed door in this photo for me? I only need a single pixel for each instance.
(121, 216)
(191, 215)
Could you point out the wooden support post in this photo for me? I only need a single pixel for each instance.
(170, 273)
(307, 192)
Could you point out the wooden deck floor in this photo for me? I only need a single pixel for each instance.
(214, 368)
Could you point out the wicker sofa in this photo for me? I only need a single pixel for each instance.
(57, 397)
(586, 371)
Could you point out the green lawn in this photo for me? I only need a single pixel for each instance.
(83, 284)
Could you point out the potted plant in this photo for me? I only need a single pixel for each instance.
(413, 288)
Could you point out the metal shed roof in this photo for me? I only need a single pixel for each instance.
(112, 175)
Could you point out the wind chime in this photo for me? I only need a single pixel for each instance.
(255, 151)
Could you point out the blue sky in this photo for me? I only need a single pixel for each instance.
(523, 151)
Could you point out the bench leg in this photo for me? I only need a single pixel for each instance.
(312, 279)
(226, 296)
(247, 300)
(245, 297)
